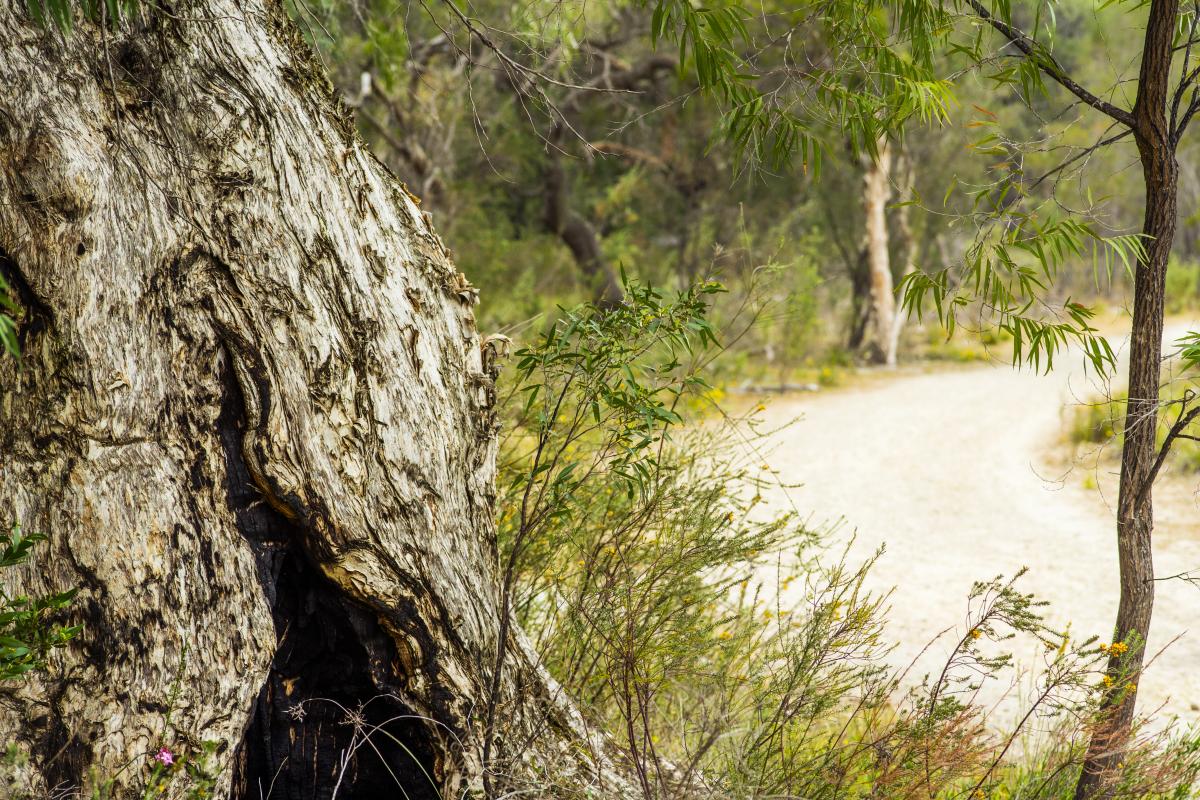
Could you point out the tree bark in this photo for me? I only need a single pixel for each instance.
(876, 192)
(255, 419)
(904, 246)
(1135, 508)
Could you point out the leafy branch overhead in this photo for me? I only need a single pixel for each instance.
(863, 83)
(1010, 269)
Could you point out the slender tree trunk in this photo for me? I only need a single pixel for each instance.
(876, 192)
(255, 419)
(904, 248)
(1135, 509)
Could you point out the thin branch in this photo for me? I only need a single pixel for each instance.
(1181, 422)
(511, 63)
(1186, 78)
(1193, 107)
(1050, 66)
(637, 154)
(1083, 154)
(1188, 576)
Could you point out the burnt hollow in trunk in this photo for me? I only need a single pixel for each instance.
(327, 693)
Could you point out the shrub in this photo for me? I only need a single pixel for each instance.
(26, 633)
(726, 651)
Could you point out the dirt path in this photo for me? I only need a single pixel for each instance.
(949, 470)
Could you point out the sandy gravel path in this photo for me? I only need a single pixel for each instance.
(949, 470)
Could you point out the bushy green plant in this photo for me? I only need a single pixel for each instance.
(594, 403)
(26, 634)
(723, 649)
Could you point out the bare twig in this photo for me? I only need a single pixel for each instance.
(1050, 66)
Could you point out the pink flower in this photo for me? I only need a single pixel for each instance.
(164, 757)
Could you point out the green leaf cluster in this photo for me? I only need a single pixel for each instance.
(61, 13)
(26, 633)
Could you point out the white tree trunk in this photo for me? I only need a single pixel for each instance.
(876, 192)
(254, 417)
(903, 169)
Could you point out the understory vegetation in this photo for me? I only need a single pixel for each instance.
(730, 653)
(725, 651)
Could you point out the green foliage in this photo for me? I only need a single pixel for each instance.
(871, 86)
(26, 636)
(709, 38)
(723, 649)
(188, 776)
(1183, 286)
(1010, 274)
(810, 83)
(61, 13)
(8, 325)
(616, 373)
(1101, 421)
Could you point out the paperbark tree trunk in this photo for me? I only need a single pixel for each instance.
(904, 247)
(876, 191)
(255, 419)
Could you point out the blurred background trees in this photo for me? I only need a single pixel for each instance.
(556, 145)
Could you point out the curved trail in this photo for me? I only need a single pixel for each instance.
(948, 470)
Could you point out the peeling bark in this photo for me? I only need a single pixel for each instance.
(254, 419)
(876, 192)
(903, 241)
